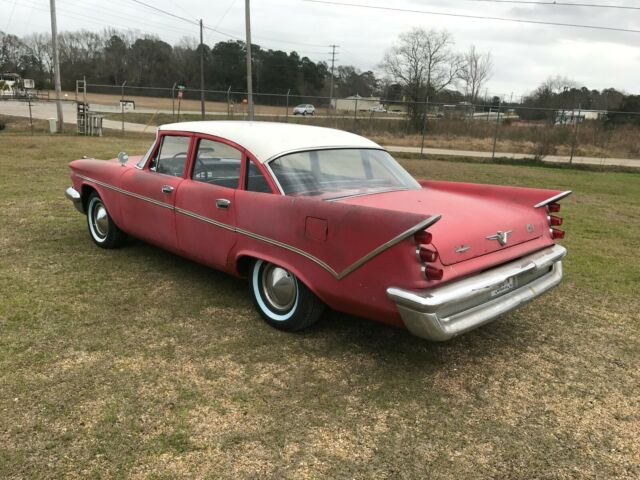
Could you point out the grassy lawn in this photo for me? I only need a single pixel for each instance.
(136, 363)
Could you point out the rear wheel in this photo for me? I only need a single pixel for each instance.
(282, 300)
(103, 230)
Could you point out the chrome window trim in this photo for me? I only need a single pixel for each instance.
(267, 163)
(152, 148)
(318, 149)
(555, 198)
(337, 275)
(363, 194)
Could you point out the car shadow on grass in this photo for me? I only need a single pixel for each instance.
(337, 333)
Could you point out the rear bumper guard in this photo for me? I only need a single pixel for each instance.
(445, 312)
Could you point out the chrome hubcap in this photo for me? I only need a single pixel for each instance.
(279, 287)
(100, 220)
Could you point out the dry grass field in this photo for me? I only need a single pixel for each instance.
(135, 363)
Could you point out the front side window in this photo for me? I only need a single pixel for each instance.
(171, 157)
(217, 163)
(340, 172)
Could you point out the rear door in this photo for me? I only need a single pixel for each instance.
(151, 192)
(205, 203)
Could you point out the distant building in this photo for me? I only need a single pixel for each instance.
(571, 117)
(13, 85)
(349, 104)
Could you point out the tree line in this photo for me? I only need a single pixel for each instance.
(422, 66)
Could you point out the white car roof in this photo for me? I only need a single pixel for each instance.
(267, 140)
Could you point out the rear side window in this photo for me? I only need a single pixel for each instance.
(255, 180)
(171, 157)
(217, 163)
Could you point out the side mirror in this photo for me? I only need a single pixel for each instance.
(122, 158)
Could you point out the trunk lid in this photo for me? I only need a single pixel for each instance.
(467, 220)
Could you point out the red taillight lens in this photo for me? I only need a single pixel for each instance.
(553, 207)
(555, 221)
(427, 255)
(423, 237)
(432, 273)
(557, 233)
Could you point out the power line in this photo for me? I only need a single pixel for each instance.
(184, 19)
(219, 31)
(476, 17)
(560, 4)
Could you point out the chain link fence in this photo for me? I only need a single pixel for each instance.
(485, 130)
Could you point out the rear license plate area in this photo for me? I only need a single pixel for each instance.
(504, 287)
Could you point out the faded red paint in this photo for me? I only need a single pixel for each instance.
(336, 233)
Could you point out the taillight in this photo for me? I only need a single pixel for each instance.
(427, 255)
(423, 237)
(554, 221)
(553, 207)
(432, 273)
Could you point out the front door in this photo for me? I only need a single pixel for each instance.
(149, 208)
(205, 209)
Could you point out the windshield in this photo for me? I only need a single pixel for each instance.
(340, 172)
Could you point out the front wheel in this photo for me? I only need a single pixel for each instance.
(282, 300)
(103, 230)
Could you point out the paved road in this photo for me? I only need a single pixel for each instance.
(45, 110)
(619, 162)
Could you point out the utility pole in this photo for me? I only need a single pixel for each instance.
(201, 72)
(56, 64)
(333, 61)
(247, 18)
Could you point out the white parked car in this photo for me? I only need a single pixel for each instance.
(304, 109)
(378, 109)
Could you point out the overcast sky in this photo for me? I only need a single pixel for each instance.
(524, 55)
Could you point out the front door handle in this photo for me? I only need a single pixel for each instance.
(223, 203)
(167, 189)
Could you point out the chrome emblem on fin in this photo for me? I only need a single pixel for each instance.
(500, 236)
(462, 248)
(530, 227)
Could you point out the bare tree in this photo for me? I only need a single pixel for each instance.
(476, 70)
(557, 84)
(424, 63)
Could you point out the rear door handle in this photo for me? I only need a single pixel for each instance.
(167, 189)
(223, 203)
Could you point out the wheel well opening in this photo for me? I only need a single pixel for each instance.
(84, 194)
(243, 264)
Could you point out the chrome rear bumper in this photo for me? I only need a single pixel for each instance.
(444, 312)
(73, 195)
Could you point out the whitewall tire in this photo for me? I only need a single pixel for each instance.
(281, 298)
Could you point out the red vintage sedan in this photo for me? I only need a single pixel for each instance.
(314, 216)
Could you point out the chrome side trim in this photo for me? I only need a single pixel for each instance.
(555, 198)
(385, 246)
(127, 192)
(443, 312)
(205, 219)
(291, 248)
(338, 275)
